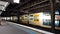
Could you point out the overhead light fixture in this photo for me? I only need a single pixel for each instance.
(16, 1)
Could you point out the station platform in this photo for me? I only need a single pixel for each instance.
(13, 28)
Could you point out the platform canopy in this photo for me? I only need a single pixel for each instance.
(3, 5)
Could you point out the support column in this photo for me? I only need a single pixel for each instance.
(52, 15)
(18, 16)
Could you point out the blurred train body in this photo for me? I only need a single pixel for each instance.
(40, 19)
(35, 19)
(14, 18)
(24, 18)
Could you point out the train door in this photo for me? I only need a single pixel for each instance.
(22, 19)
(26, 19)
(31, 18)
(36, 19)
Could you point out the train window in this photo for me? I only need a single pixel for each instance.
(31, 15)
(36, 19)
(26, 19)
(31, 18)
(57, 23)
(47, 22)
(56, 12)
(25, 16)
(46, 13)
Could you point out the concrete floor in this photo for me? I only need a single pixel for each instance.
(9, 29)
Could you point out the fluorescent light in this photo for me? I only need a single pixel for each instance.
(16, 1)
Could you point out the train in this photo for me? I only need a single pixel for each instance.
(42, 19)
(12, 18)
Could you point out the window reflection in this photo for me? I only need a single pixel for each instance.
(47, 19)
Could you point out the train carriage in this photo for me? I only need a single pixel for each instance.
(40, 19)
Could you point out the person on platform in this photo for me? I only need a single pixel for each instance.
(0, 21)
